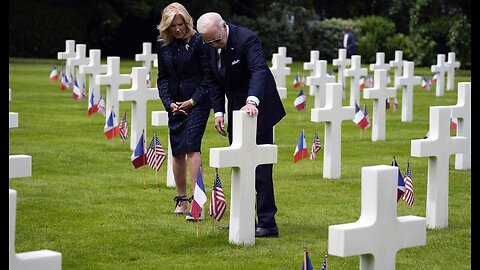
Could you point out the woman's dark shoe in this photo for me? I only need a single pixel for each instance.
(181, 205)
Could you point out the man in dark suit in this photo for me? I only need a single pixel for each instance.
(240, 72)
(348, 41)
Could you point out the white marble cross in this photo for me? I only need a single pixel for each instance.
(319, 81)
(380, 63)
(279, 71)
(379, 93)
(378, 234)
(39, 260)
(397, 64)
(451, 66)
(440, 68)
(342, 62)
(68, 53)
(112, 79)
(333, 113)
(283, 51)
(438, 147)
(80, 58)
(147, 57)
(462, 111)
(243, 155)
(314, 56)
(355, 71)
(159, 119)
(279, 66)
(93, 68)
(18, 165)
(408, 81)
(139, 94)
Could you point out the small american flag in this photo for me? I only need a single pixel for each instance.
(124, 128)
(155, 153)
(408, 195)
(217, 202)
(324, 264)
(101, 106)
(316, 145)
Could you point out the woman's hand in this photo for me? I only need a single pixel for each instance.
(186, 105)
(176, 109)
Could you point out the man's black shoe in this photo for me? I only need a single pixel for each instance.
(266, 232)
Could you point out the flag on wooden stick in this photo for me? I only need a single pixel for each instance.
(217, 201)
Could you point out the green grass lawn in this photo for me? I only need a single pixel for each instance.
(86, 200)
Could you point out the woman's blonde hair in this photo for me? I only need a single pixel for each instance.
(168, 15)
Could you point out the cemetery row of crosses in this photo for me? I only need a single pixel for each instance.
(380, 184)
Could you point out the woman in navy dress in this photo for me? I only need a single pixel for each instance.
(182, 87)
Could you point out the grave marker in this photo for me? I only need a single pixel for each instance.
(408, 81)
(333, 113)
(314, 56)
(342, 62)
(13, 116)
(397, 64)
(139, 94)
(39, 260)
(18, 165)
(355, 71)
(462, 111)
(319, 81)
(147, 58)
(79, 59)
(379, 93)
(68, 53)
(380, 63)
(438, 147)
(451, 66)
(112, 79)
(242, 205)
(378, 234)
(91, 69)
(440, 68)
(279, 66)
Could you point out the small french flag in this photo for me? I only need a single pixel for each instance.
(54, 74)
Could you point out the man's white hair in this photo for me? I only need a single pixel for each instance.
(209, 20)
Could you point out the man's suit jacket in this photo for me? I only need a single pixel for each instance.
(246, 73)
(350, 43)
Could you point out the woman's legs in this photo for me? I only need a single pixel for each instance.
(179, 167)
(194, 163)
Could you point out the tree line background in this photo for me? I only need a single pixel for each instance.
(420, 28)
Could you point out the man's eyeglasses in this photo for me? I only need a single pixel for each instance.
(214, 40)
